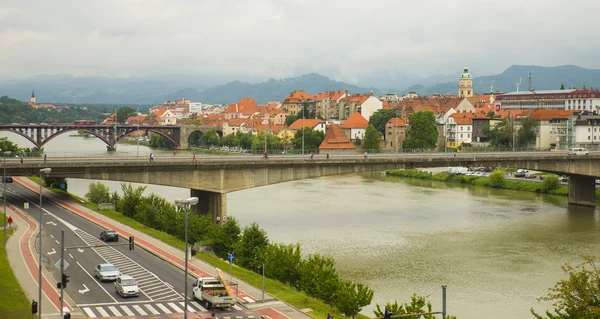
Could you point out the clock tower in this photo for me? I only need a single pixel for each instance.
(465, 84)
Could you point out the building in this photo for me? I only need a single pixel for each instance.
(244, 109)
(459, 129)
(365, 104)
(577, 100)
(336, 142)
(355, 126)
(315, 124)
(465, 84)
(195, 107)
(32, 101)
(293, 104)
(395, 133)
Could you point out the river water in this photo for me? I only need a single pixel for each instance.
(497, 250)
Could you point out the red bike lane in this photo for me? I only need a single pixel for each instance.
(31, 261)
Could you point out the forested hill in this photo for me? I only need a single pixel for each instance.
(15, 111)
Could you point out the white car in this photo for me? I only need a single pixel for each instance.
(126, 286)
(106, 272)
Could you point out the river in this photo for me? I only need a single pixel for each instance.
(497, 250)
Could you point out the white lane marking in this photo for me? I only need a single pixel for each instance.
(236, 307)
(151, 309)
(84, 290)
(94, 279)
(174, 306)
(169, 285)
(239, 317)
(114, 310)
(51, 223)
(102, 312)
(57, 241)
(70, 226)
(80, 250)
(89, 312)
(190, 309)
(200, 308)
(52, 236)
(127, 311)
(52, 252)
(71, 256)
(163, 308)
(139, 310)
(248, 299)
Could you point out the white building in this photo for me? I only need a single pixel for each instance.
(578, 100)
(195, 107)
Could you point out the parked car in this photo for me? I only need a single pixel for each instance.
(109, 235)
(106, 272)
(519, 174)
(564, 179)
(578, 151)
(126, 286)
(8, 179)
(529, 175)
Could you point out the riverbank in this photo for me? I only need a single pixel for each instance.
(526, 186)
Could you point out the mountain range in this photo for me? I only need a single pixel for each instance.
(64, 88)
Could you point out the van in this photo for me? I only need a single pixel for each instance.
(578, 151)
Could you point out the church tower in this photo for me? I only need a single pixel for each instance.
(465, 84)
(32, 99)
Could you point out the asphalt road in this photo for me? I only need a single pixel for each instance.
(161, 284)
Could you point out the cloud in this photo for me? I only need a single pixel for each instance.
(346, 40)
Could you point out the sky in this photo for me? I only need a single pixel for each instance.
(344, 39)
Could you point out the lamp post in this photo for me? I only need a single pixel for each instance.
(186, 203)
(4, 193)
(42, 172)
(302, 129)
(137, 138)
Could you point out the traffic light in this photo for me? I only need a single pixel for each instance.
(33, 306)
(64, 281)
(131, 243)
(388, 314)
(261, 269)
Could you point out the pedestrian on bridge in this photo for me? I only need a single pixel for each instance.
(151, 158)
(266, 156)
(21, 159)
(45, 158)
(194, 159)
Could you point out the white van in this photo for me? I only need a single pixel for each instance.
(578, 151)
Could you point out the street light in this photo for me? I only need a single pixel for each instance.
(186, 203)
(137, 137)
(302, 129)
(4, 193)
(42, 172)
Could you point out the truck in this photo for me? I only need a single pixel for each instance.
(458, 170)
(214, 292)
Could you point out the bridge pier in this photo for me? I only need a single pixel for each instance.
(110, 148)
(210, 203)
(582, 190)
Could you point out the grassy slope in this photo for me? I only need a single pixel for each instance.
(13, 302)
(276, 289)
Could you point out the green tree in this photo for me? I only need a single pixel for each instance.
(550, 182)
(246, 140)
(497, 178)
(380, 118)
(501, 133)
(312, 139)
(132, 197)
(282, 262)
(418, 304)
(273, 142)
(578, 296)
(422, 131)
(226, 237)
(158, 141)
(56, 182)
(562, 86)
(526, 133)
(319, 278)
(352, 297)
(123, 113)
(6, 145)
(98, 193)
(372, 139)
(231, 140)
(211, 138)
(290, 119)
(251, 248)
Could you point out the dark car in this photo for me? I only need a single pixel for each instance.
(519, 174)
(8, 179)
(109, 235)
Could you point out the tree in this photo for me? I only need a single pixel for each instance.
(380, 118)
(251, 248)
(526, 133)
(352, 297)
(500, 134)
(273, 142)
(56, 182)
(290, 119)
(98, 193)
(575, 297)
(124, 113)
(245, 140)
(422, 131)
(418, 304)
(319, 278)
(550, 182)
(562, 86)
(497, 178)
(226, 237)
(282, 262)
(372, 139)
(312, 139)
(131, 199)
(210, 138)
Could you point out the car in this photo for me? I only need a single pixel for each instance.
(519, 174)
(8, 179)
(126, 286)
(578, 151)
(109, 235)
(106, 272)
(529, 175)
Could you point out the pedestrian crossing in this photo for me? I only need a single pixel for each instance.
(142, 309)
(149, 284)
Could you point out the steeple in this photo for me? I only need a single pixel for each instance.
(32, 94)
(32, 99)
(465, 84)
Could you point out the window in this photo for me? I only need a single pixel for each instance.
(461, 136)
(589, 137)
(461, 128)
(589, 129)
(468, 128)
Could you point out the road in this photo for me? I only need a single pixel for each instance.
(161, 283)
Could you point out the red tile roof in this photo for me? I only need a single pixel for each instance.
(297, 125)
(335, 139)
(296, 97)
(356, 120)
(545, 115)
(396, 121)
(464, 118)
(246, 106)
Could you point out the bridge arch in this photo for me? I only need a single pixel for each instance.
(29, 138)
(96, 134)
(187, 130)
(163, 134)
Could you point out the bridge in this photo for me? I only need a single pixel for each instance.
(111, 134)
(211, 178)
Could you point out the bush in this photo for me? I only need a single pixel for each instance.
(550, 182)
(98, 193)
(497, 178)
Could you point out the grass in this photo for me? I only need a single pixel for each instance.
(13, 302)
(274, 288)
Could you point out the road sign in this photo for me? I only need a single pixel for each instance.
(230, 257)
(57, 265)
(26, 205)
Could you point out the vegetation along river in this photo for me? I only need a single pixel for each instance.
(497, 250)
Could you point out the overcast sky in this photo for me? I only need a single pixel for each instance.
(342, 39)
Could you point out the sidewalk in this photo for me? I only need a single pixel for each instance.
(248, 295)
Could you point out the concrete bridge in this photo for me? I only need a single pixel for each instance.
(111, 134)
(211, 178)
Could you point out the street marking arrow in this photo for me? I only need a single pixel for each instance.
(84, 290)
(52, 252)
(80, 250)
(51, 223)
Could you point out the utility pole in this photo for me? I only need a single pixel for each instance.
(396, 143)
(62, 268)
(302, 129)
(138, 132)
(263, 282)
(443, 301)
(116, 128)
(265, 142)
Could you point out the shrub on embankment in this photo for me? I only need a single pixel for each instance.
(550, 185)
